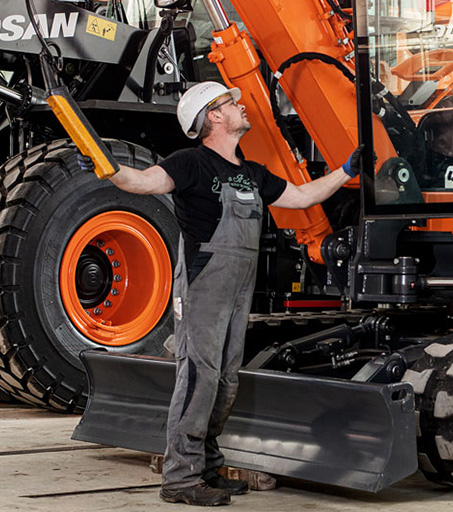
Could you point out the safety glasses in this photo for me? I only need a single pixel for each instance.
(229, 100)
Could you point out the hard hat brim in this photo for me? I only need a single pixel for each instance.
(235, 93)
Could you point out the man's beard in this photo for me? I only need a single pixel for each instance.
(243, 129)
(240, 129)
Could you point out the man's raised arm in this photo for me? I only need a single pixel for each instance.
(153, 180)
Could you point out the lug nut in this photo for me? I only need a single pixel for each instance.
(117, 278)
(115, 263)
(114, 292)
(109, 252)
(100, 243)
(97, 311)
(107, 304)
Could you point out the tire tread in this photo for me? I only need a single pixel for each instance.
(25, 373)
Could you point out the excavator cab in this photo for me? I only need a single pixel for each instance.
(410, 62)
(404, 86)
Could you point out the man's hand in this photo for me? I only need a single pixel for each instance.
(85, 162)
(352, 166)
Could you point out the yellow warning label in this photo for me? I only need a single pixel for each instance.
(296, 287)
(101, 27)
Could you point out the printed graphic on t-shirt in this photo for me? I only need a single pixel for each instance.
(239, 182)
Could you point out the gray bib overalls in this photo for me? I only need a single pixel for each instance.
(211, 317)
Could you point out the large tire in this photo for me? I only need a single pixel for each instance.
(82, 265)
(432, 378)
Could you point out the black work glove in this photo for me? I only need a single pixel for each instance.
(85, 162)
(352, 166)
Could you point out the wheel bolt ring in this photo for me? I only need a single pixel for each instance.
(146, 278)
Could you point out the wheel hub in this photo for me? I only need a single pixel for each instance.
(116, 278)
(94, 277)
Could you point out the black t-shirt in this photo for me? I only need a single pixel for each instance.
(195, 172)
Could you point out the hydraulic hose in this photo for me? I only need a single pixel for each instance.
(279, 119)
(31, 14)
(338, 10)
(379, 90)
(380, 93)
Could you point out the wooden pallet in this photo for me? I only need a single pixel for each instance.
(257, 480)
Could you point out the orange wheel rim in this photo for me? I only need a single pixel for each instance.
(115, 278)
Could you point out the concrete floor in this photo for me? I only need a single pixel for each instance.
(41, 469)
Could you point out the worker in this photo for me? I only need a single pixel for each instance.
(219, 201)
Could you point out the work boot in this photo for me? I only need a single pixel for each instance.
(201, 495)
(231, 485)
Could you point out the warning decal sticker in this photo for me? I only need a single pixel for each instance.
(101, 27)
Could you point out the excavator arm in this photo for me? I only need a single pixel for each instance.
(322, 95)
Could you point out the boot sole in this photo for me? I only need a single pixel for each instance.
(238, 492)
(177, 498)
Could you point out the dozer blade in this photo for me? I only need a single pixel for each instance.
(350, 434)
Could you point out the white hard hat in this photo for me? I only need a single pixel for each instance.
(195, 100)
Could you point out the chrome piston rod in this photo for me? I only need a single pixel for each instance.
(217, 14)
(22, 99)
(11, 96)
(438, 282)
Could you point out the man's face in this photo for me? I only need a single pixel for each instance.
(234, 116)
